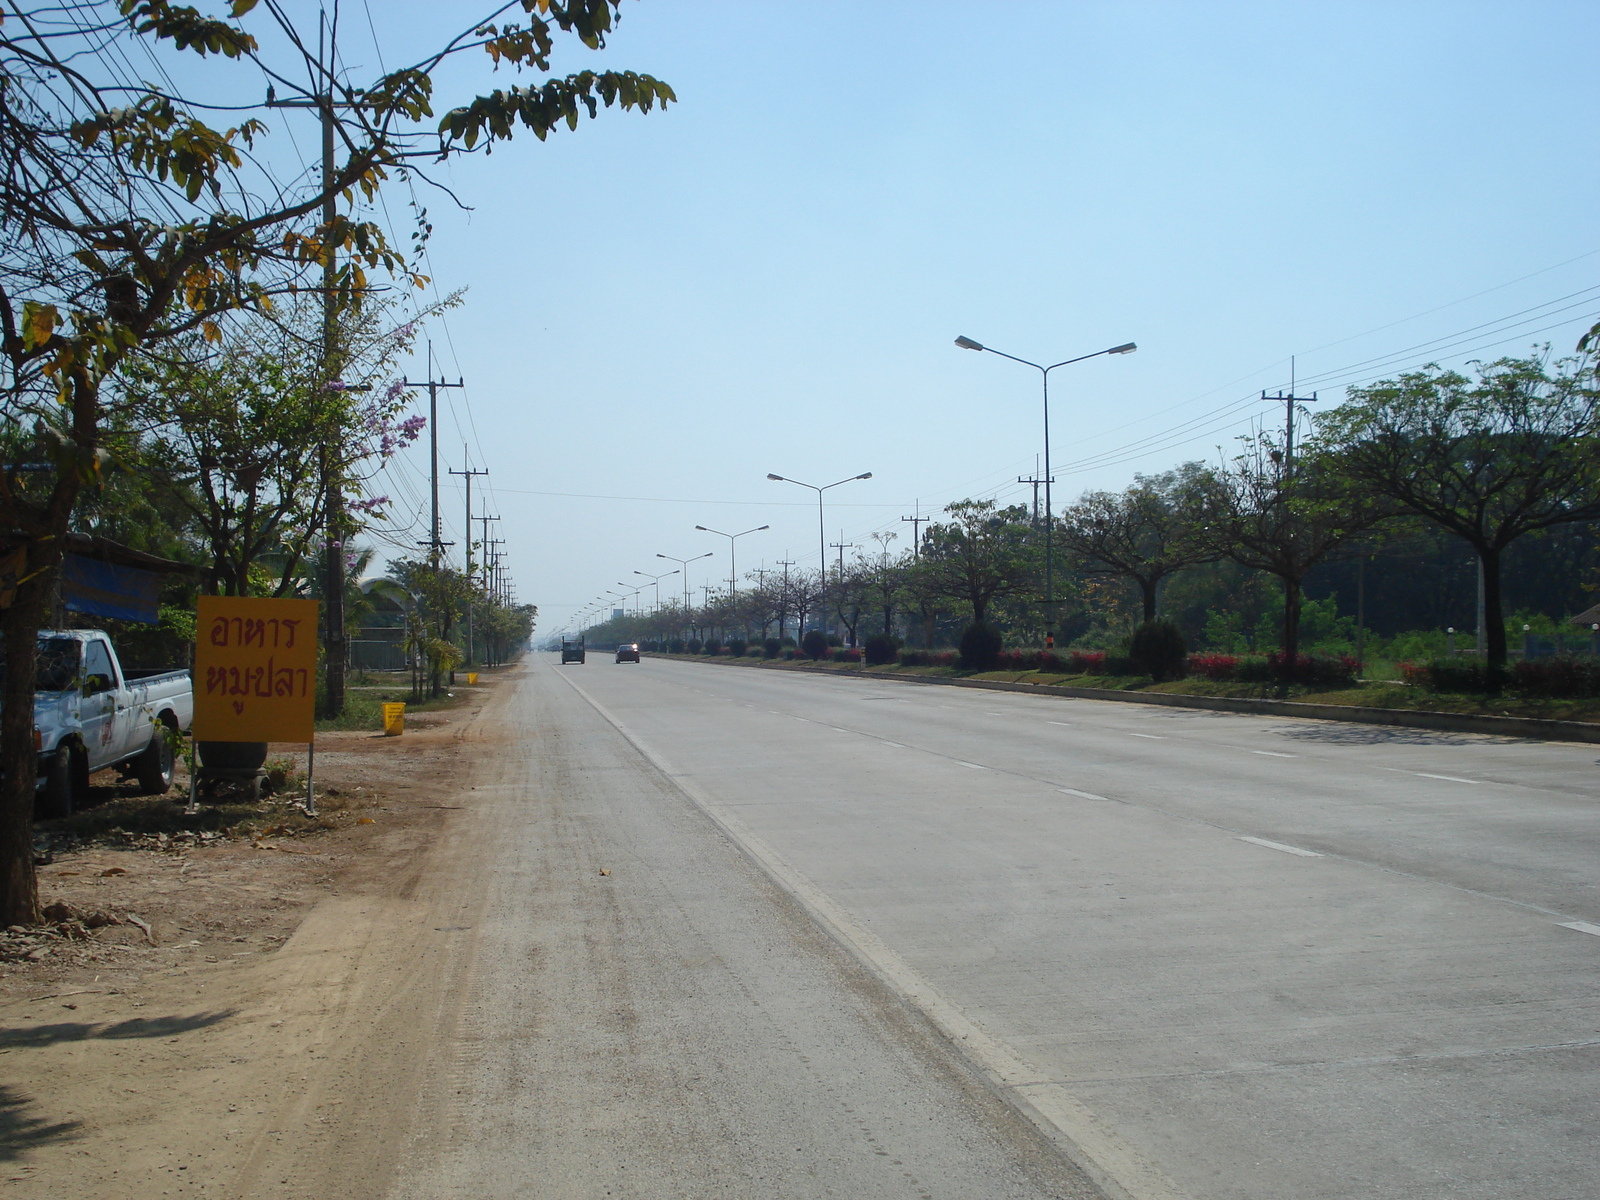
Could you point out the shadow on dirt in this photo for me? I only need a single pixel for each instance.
(33, 1036)
(20, 1131)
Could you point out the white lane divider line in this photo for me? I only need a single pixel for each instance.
(1255, 841)
(1076, 792)
(900, 745)
(1154, 737)
(1581, 927)
(1446, 778)
(774, 712)
(987, 713)
(836, 729)
(974, 766)
(807, 720)
(1274, 754)
(1068, 724)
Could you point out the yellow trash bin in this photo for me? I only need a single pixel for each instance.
(472, 679)
(394, 719)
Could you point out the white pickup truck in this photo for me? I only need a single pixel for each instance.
(88, 713)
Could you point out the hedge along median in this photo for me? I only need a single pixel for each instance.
(1537, 728)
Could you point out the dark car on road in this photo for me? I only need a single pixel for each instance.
(628, 652)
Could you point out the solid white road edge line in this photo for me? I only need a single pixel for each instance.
(974, 766)
(1113, 1165)
(1446, 778)
(1581, 927)
(1076, 792)
(1274, 754)
(1255, 841)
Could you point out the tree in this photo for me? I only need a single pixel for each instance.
(1268, 513)
(244, 432)
(1145, 533)
(1491, 459)
(127, 220)
(980, 553)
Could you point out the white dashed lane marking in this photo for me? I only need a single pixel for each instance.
(1084, 795)
(1255, 841)
(1446, 778)
(974, 766)
(1274, 754)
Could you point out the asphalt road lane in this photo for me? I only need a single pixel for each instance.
(651, 1017)
(1378, 994)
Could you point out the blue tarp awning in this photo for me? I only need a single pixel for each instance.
(104, 589)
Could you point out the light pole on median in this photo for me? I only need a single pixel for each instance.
(733, 574)
(684, 563)
(655, 581)
(822, 537)
(967, 343)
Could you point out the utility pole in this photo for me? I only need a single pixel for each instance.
(468, 473)
(484, 521)
(918, 521)
(841, 546)
(1289, 402)
(433, 386)
(1036, 482)
(333, 514)
(783, 596)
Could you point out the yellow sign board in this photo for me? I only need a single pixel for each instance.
(255, 670)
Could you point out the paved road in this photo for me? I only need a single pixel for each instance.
(1233, 957)
(649, 1016)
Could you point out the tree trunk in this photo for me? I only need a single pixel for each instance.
(19, 884)
(1494, 621)
(1291, 624)
(1147, 589)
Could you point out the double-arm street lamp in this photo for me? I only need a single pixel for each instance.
(655, 582)
(822, 537)
(967, 343)
(733, 574)
(684, 563)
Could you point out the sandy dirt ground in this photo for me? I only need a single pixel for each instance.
(193, 1033)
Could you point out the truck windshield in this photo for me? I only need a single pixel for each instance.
(57, 667)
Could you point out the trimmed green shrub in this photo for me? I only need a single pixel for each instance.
(770, 647)
(1157, 650)
(693, 646)
(675, 646)
(737, 647)
(980, 648)
(814, 644)
(881, 648)
(713, 646)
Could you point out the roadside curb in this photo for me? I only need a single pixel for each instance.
(1534, 728)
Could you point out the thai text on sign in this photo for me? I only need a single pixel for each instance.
(255, 669)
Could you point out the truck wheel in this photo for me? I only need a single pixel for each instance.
(153, 767)
(55, 801)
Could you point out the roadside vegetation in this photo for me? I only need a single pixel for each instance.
(1352, 566)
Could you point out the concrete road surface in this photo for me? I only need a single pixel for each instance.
(649, 1016)
(1212, 956)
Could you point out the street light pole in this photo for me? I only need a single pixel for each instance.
(822, 536)
(967, 343)
(733, 572)
(684, 563)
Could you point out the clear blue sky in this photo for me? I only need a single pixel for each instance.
(769, 276)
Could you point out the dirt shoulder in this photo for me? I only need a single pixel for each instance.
(206, 977)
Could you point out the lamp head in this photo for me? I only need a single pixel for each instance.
(1125, 348)
(702, 529)
(707, 554)
(967, 343)
(758, 530)
(865, 475)
(779, 478)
